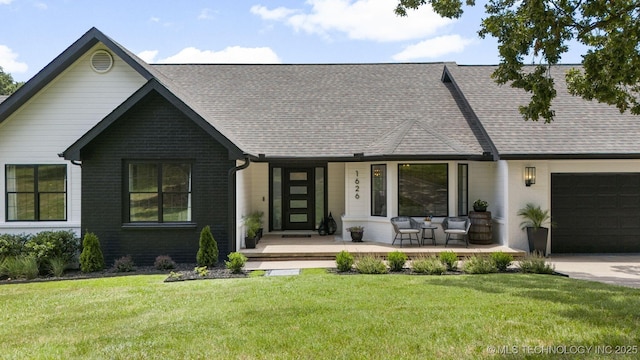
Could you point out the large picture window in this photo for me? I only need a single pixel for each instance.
(423, 189)
(378, 190)
(36, 192)
(159, 192)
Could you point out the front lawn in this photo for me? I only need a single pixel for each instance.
(317, 315)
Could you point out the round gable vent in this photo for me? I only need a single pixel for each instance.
(101, 61)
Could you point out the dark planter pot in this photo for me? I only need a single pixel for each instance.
(538, 239)
(258, 235)
(357, 236)
(250, 243)
(479, 209)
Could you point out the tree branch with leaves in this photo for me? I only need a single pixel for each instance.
(539, 32)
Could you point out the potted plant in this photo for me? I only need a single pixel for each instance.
(253, 224)
(427, 220)
(480, 205)
(357, 232)
(534, 219)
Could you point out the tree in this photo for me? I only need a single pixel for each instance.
(208, 252)
(541, 31)
(7, 85)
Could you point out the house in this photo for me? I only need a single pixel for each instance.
(147, 155)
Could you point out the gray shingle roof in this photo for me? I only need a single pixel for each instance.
(331, 111)
(581, 128)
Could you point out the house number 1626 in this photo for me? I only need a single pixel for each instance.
(357, 186)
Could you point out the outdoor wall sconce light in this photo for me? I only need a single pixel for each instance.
(529, 175)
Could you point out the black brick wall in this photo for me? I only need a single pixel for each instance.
(153, 129)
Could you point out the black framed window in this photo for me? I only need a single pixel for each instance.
(423, 189)
(378, 190)
(463, 189)
(159, 192)
(36, 192)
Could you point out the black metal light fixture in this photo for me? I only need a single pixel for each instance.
(529, 175)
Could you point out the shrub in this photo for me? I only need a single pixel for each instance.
(536, 264)
(57, 265)
(396, 260)
(208, 252)
(502, 260)
(236, 262)
(479, 265)
(344, 261)
(164, 262)
(21, 266)
(12, 245)
(450, 259)
(47, 245)
(369, 264)
(91, 258)
(201, 270)
(429, 265)
(124, 264)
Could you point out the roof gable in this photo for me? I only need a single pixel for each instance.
(62, 62)
(73, 152)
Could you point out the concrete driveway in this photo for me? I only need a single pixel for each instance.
(621, 270)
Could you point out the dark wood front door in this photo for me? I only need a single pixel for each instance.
(298, 199)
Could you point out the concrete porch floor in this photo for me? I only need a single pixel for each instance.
(275, 252)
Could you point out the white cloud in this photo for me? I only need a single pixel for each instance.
(148, 56)
(205, 14)
(154, 19)
(5, 2)
(359, 19)
(8, 61)
(229, 55)
(280, 13)
(433, 48)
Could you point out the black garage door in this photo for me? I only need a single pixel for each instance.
(595, 213)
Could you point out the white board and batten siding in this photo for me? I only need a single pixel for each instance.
(52, 120)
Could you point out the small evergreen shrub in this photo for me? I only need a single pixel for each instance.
(236, 262)
(536, 264)
(208, 252)
(369, 264)
(429, 265)
(12, 245)
(479, 265)
(450, 259)
(57, 265)
(91, 258)
(344, 261)
(396, 260)
(502, 260)
(164, 262)
(19, 267)
(124, 264)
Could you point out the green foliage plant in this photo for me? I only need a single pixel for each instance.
(91, 258)
(478, 264)
(201, 270)
(429, 265)
(57, 266)
(533, 216)
(253, 223)
(208, 251)
(12, 244)
(19, 267)
(236, 262)
(536, 264)
(47, 245)
(396, 260)
(164, 262)
(502, 260)
(344, 261)
(124, 264)
(450, 259)
(370, 264)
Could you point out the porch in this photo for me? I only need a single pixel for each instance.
(274, 250)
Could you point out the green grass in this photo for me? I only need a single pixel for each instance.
(314, 315)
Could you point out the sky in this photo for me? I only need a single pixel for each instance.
(34, 32)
